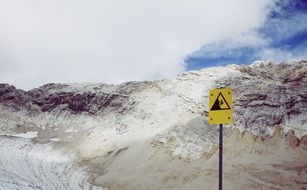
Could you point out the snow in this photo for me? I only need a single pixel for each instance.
(29, 166)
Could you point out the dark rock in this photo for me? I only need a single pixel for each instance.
(55, 98)
(291, 139)
(304, 142)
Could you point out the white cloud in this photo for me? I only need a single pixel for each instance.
(231, 46)
(114, 41)
(285, 35)
(276, 54)
(284, 28)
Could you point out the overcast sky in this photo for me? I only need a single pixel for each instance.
(43, 41)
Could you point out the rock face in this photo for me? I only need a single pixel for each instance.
(291, 139)
(304, 142)
(268, 95)
(50, 98)
(155, 135)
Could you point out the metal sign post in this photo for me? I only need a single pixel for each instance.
(221, 158)
(220, 111)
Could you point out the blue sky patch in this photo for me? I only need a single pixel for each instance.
(284, 33)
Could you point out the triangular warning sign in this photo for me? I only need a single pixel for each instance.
(220, 103)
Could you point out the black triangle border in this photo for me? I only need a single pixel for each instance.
(225, 101)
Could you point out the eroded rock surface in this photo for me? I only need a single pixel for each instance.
(155, 135)
(269, 94)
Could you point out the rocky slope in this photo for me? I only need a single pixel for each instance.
(155, 135)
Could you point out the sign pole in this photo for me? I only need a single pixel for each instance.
(220, 111)
(221, 158)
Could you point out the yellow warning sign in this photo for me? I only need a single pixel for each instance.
(220, 106)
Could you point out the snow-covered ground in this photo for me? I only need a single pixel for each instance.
(27, 165)
(154, 134)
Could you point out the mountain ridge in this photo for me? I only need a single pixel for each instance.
(103, 127)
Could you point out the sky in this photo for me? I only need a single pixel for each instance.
(116, 41)
(282, 37)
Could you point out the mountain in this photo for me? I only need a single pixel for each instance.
(155, 134)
